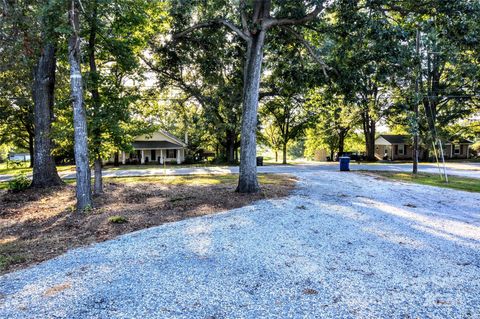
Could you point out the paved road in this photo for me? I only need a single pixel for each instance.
(466, 170)
(343, 246)
(459, 169)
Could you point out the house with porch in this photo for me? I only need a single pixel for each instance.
(459, 148)
(399, 147)
(393, 147)
(159, 147)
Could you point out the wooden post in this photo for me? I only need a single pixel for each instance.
(142, 160)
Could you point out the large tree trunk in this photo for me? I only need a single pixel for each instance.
(83, 190)
(44, 170)
(247, 181)
(31, 148)
(284, 149)
(369, 130)
(116, 159)
(230, 146)
(341, 143)
(98, 184)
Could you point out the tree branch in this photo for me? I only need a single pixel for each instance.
(289, 21)
(209, 24)
(243, 17)
(310, 49)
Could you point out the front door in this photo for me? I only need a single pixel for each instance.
(153, 155)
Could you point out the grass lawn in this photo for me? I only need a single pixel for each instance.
(159, 166)
(24, 168)
(454, 182)
(39, 224)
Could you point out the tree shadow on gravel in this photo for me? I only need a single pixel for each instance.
(39, 225)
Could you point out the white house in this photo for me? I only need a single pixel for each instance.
(159, 147)
(23, 157)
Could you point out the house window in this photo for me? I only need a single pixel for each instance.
(457, 149)
(171, 153)
(401, 149)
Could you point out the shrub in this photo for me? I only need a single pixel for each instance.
(117, 219)
(19, 183)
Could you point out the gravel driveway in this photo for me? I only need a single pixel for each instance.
(343, 246)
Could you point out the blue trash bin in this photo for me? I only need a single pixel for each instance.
(344, 163)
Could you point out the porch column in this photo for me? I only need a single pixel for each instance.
(451, 150)
(142, 160)
(468, 150)
(161, 157)
(123, 158)
(178, 156)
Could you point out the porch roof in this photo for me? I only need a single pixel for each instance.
(155, 145)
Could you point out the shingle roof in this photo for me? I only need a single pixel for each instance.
(154, 144)
(460, 141)
(397, 139)
(173, 137)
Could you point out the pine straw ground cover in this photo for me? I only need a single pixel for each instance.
(36, 225)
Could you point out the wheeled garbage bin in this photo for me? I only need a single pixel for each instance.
(344, 163)
(259, 160)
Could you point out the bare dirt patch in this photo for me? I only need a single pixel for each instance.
(36, 225)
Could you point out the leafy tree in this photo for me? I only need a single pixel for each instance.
(368, 55)
(335, 122)
(117, 31)
(291, 115)
(249, 21)
(209, 72)
(34, 65)
(291, 75)
(271, 137)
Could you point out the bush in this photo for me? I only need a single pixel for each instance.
(117, 219)
(19, 183)
(14, 164)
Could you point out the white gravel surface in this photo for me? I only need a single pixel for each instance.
(343, 246)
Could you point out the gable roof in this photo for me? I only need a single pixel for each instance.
(395, 139)
(160, 136)
(176, 139)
